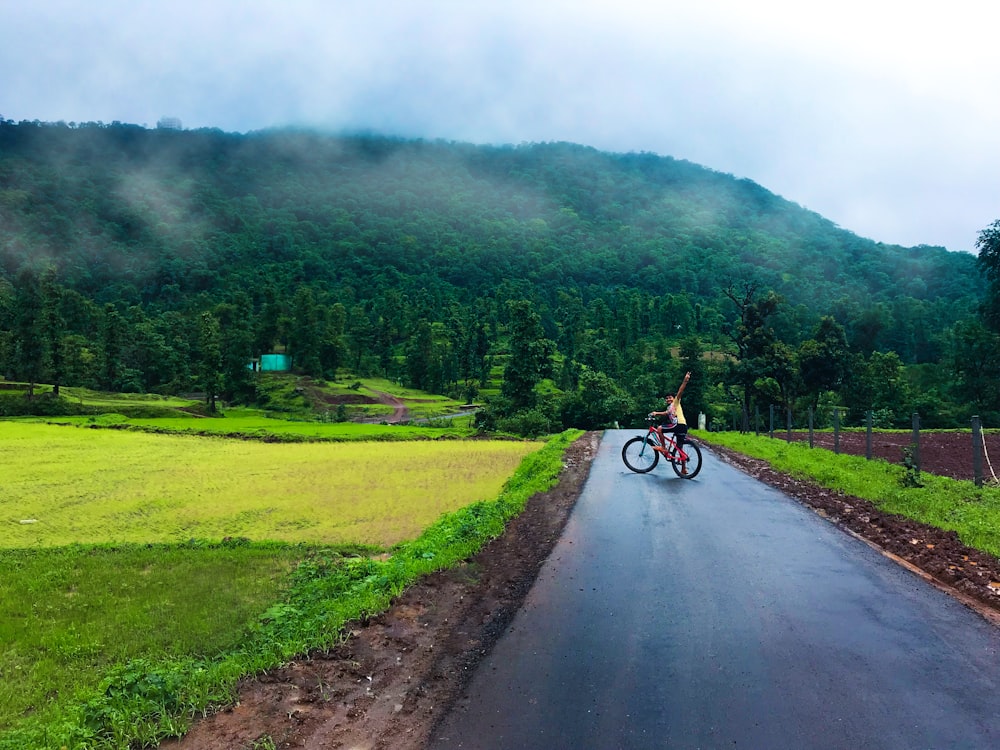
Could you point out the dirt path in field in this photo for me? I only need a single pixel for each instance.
(399, 411)
(395, 676)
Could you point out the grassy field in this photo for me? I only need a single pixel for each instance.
(64, 485)
(120, 546)
(253, 424)
(68, 614)
(283, 395)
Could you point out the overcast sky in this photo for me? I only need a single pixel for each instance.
(881, 115)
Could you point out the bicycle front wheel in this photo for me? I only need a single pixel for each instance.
(687, 469)
(638, 454)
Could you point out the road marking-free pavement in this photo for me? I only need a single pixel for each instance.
(719, 613)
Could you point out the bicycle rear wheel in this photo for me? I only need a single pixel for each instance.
(638, 454)
(687, 469)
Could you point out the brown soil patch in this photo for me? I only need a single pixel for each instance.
(331, 399)
(947, 454)
(394, 678)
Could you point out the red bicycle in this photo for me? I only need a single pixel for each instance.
(642, 453)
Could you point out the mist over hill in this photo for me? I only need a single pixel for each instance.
(127, 212)
(402, 231)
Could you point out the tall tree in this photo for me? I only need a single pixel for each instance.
(823, 359)
(53, 329)
(530, 356)
(694, 393)
(976, 366)
(988, 244)
(360, 336)
(29, 337)
(420, 355)
(236, 348)
(754, 340)
(305, 334)
(210, 361)
(113, 342)
(598, 403)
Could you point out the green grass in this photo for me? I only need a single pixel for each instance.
(252, 424)
(154, 687)
(305, 397)
(69, 614)
(98, 399)
(286, 396)
(972, 512)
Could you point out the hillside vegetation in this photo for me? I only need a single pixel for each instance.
(163, 261)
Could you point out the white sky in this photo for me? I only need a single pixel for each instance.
(883, 116)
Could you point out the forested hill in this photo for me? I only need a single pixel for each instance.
(164, 260)
(153, 216)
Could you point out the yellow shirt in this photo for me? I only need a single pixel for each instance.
(679, 412)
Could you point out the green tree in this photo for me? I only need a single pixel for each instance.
(599, 402)
(530, 356)
(150, 353)
(270, 324)
(28, 333)
(7, 306)
(53, 328)
(976, 365)
(332, 350)
(823, 359)
(360, 334)
(877, 384)
(988, 244)
(236, 348)
(420, 356)
(113, 343)
(210, 373)
(782, 370)
(305, 335)
(754, 340)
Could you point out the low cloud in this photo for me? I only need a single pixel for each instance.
(881, 121)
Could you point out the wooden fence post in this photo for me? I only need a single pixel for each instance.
(836, 430)
(770, 430)
(788, 423)
(810, 427)
(916, 442)
(868, 438)
(977, 451)
(756, 420)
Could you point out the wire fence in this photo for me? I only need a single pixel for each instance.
(982, 468)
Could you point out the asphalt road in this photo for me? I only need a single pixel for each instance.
(719, 613)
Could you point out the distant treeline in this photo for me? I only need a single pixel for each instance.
(163, 260)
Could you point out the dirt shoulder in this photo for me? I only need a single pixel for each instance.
(394, 678)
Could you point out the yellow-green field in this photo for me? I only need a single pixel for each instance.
(62, 485)
(172, 557)
(241, 424)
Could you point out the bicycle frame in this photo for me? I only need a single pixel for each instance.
(642, 453)
(668, 444)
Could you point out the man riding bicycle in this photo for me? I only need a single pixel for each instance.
(673, 419)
